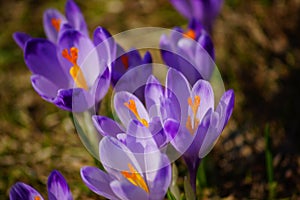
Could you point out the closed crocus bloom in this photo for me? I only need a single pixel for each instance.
(71, 74)
(190, 51)
(144, 176)
(57, 186)
(204, 11)
(53, 21)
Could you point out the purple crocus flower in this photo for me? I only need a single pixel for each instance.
(205, 11)
(137, 122)
(58, 189)
(144, 176)
(189, 51)
(53, 21)
(71, 74)
(198, 123)
(130, 70)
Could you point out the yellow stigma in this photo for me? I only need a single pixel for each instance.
(37, 198)
(75, 70)
(132, 107)
(56, 23)
(190, 34)
(192, 127)
(135, 178)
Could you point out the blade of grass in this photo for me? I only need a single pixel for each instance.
(269, 164)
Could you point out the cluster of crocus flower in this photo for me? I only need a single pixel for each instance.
(74, 72)
(57, 189)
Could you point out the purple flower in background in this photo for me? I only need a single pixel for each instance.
(200, 124)
(205, 11)
(130, 70)
(53, 21)
(57, 186)
(126, 61)
(71, 74)
(146, 175)
(189, 51)
(138, 123)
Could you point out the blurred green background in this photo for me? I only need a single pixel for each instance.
(257, 51)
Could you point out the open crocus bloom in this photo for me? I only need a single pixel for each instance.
(71, 74)
(189, 51)
(53, 21)
(205, 11)
(198, 123)
(137, 122)
(57, 189)
(144, 176)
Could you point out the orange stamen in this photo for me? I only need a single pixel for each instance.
(132, 107)
(190, 34)
(194, 106)
(37, 198)
(125, 61)
(56, 23)
(75, 70)
(135, 178)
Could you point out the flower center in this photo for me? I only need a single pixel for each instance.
(192, 123)
(132, 107)
(56, 23)
(37, 198)
(75, 70)
(190, 34)
(125, 61)
(135, 178)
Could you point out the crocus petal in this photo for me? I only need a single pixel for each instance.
(204, 56)
(106, 126)
(135, 58)
(21, 39)
(101, 85)
(168, 53)
(159, 135)
(105, 44)
(44, 87)
(87, 54)
(98, 181)
(50, 29)
(191, 154)
(153, 94)
(204, 90)
(128, 191)
(183, 7)
(122, 156)
(123, 112)
(75, 17)
(171, 128)
(211, 135)
(159, 175)
(140, 134)
(76, 100)
(58, 188)
(228, 99)
(185, 61)
(147, 58)
(40, 57)
(23, 191)
(199, 9)
(179, 86)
